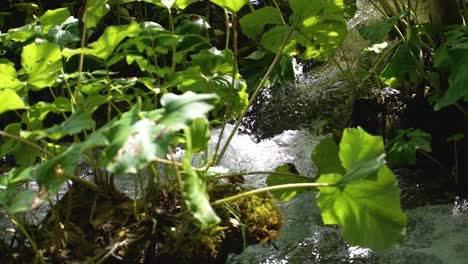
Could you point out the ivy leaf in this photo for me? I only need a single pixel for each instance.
(74, 124)
(253, 24)
(95, 10)
(43, 62)
(231, 5)
(10, 101)
(365, 200)
(278, 179)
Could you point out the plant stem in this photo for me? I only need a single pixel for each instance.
(271, 188)
(228, 29)
(465, 113)
(259, 173)
(176, 169)
(254, 96)
(81, 62)
(171, 23)
(17, 223)
(231, 88)
(8, 135)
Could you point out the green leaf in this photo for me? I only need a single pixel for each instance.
(134, 141)
(66, 34)
(403, 149)
(95, 10)
(455, 138)
(451, 58)
(320, 27)
(278, 179)
(200, 134)
(22, 202)
(193, 24)
(8, 76)
(11, 182)
(213, 61)
(168, 3)
(405, 68)
(39, 111)
(377, 32)
(10, 101)
(25, 154)
(231, 5)
(365, 200)
(54, 172)
(179, 110)
(196, 196)
(325, 157)
(182, 4)
(53, 17)
(24, 33)
(360, 153)
(368, 210)
(253, 24)
(74, 124)
(144, 142)
(274, 37)
(193, 80)
(43, 62)
(107, 42)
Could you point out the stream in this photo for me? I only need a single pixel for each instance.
(435, 233)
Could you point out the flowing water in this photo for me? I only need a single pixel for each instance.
(286, 117)
(436, 234)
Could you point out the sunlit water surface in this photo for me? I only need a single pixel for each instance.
(436, 234)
